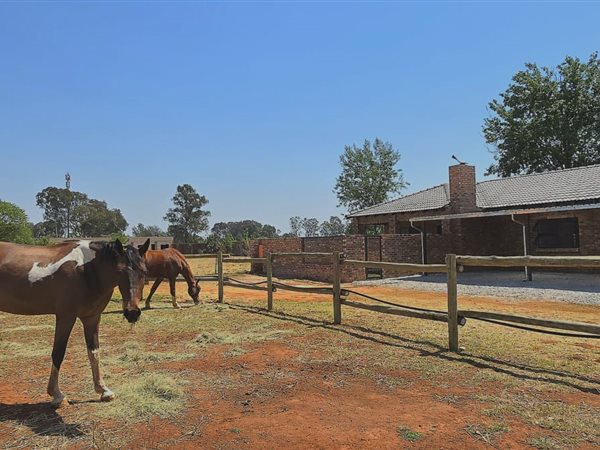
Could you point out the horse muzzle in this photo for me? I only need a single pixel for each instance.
(132, 315)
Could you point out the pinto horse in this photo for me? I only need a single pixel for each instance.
(73, 279)
(168, 263)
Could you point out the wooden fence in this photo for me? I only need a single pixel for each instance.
(454, 316)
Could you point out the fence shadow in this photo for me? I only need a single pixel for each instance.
(430, 349)
(41, 418)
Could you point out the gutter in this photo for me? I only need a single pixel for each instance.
(423, 241)
(528, 276)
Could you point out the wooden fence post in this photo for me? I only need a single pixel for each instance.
(220, 275)
(337, 301)
(269, 281)
(452, 303)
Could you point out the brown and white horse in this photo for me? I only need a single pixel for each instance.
(168, 263)
(74, 279)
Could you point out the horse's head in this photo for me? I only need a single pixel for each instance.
(132, 281)
(194, 292)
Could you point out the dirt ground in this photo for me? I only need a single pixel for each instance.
(233, 375)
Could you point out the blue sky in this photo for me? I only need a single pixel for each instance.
(252, 103)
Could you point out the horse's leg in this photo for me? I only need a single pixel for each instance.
(90, 330)
(64, 326)
(152, 291)
(172, 287)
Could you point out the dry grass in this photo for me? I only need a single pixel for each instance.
(207, 266)
(154, 394)
(511, 375)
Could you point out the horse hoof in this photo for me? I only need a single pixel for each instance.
(196, 303)
(147, 307)
(59, 402)
(107, 396)
(176, 306)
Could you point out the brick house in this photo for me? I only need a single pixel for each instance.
(550, 213)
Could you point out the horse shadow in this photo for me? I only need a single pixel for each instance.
(41, 418)
(426, 348)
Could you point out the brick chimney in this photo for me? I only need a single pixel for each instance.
(462, 188)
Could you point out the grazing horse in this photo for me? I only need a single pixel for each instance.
(168, 263)
(73, 279)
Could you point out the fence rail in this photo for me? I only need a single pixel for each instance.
(454, 316)
(579, 262)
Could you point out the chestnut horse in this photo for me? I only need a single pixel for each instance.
(168, 263)
(73, 279)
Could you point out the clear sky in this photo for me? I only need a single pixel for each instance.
(252, 103)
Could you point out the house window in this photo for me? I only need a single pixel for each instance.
(557, 233)
(406, 228)
(375, 229)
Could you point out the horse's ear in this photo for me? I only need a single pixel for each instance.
(144, 248)
(119, 247)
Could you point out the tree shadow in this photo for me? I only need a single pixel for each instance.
(430, 349)
(41, 418)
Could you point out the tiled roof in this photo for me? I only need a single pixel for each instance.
(432, 198)
(559, 186)
(556, 187)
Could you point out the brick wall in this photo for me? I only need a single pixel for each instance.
(307, 267)
(485, 236)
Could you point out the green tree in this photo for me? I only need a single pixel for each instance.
(295, 226)
(547, 119)
(369, 175)
(187, 219)
(58, 205)
(14, 224)
(333, 227)
(94, 218)
(140, 230)
(310, 227)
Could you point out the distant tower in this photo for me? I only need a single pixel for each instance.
(69, 200)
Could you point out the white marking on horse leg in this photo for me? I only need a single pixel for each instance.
(175, 304)
(106, 395)
(53, 390)
(82, 254)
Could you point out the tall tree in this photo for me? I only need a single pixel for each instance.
(72, 213)
(250, 229)
(369, 175)
(547, 119)
(310, 227)
(141, 230)
(58, 205)
(187, 220)
(295, 225)
(333, 227)
(94, 218)
(14, 225)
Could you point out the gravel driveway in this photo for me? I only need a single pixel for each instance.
(559, 286)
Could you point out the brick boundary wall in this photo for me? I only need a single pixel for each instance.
(394, 248)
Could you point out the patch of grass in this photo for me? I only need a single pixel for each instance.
(235, 351)
(543, 443)
(253, 334)
(15, 350)
(154, 394)
(449, 399)
(408, 435)
(573, 423)
(27, 328)
(134, 354)
(485, 433)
